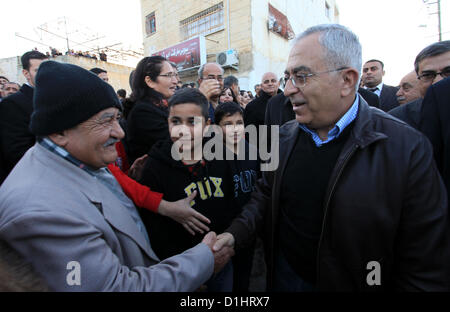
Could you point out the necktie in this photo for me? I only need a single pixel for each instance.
(373, 90)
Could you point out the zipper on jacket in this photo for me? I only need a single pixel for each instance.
(341, 169)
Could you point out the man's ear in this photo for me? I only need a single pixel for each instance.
(60, 138)
(350, 80)
(26, 74)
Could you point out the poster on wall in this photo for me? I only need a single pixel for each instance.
(186, 55)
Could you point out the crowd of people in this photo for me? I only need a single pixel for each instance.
(53, 52)
(168, 189)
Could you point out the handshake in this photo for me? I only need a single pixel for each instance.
(222, 247)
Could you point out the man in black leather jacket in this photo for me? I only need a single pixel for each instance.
(356, 203)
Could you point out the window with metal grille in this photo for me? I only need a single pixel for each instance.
(203, 23)
(150, 24)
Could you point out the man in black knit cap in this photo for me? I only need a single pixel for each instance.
(357, 203)
(65, 213)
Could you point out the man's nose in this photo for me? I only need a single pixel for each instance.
(290, 89)
(118, 131)
(437, 79)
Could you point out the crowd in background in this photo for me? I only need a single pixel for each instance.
(362, 174)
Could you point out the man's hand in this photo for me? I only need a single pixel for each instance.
(222, 256)
(182, 212)
(210, 88)
(210, 239)
(137, 167)
(224, 240)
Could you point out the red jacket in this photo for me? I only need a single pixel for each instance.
(141, 195)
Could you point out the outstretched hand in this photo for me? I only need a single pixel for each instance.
(189, 218)
(137, 167)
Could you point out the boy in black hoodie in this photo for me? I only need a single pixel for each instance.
(165, 172)
(245, 170)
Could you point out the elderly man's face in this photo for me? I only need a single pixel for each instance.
(270, 84)
(93, 141)
(409, 90)
(318, 103)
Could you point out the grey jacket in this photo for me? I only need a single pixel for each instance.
(56, 214)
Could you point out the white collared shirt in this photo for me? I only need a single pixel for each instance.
(377, 92)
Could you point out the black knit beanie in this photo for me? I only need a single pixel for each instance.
(67, 95)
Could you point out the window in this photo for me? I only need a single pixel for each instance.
(150, 24)
(203, 23)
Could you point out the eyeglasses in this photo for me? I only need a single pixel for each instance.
(300, 80)
(170, 75)
(218, 78)
(430, 76)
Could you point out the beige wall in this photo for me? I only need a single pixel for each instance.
(259, 49)
(169, 13)
(118, 74)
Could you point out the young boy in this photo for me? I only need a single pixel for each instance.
(178, 178)
(245, 171)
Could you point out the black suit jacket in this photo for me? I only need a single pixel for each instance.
(255, 111)
(15, 136)
(388, 98)
(409, 113)
(435, 124)
(370, 97)
(279, 110)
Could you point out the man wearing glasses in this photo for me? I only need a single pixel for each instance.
(432, 65)
(433, 69)
(356, 203)
(210, 81)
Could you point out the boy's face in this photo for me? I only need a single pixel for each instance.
(186, 125)
(232, 128)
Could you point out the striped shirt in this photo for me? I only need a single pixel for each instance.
(334, 133)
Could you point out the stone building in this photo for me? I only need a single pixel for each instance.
(247, 37)
(118, 74)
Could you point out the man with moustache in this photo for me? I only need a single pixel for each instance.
(410, 101)
(65, 213)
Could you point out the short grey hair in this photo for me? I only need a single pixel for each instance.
(202, 69)
(342, 46)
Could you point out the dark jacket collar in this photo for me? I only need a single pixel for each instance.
(27, 91)
(363, 133)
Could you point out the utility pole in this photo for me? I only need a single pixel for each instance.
(438, 13)
(67, 36)
(439, 20)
